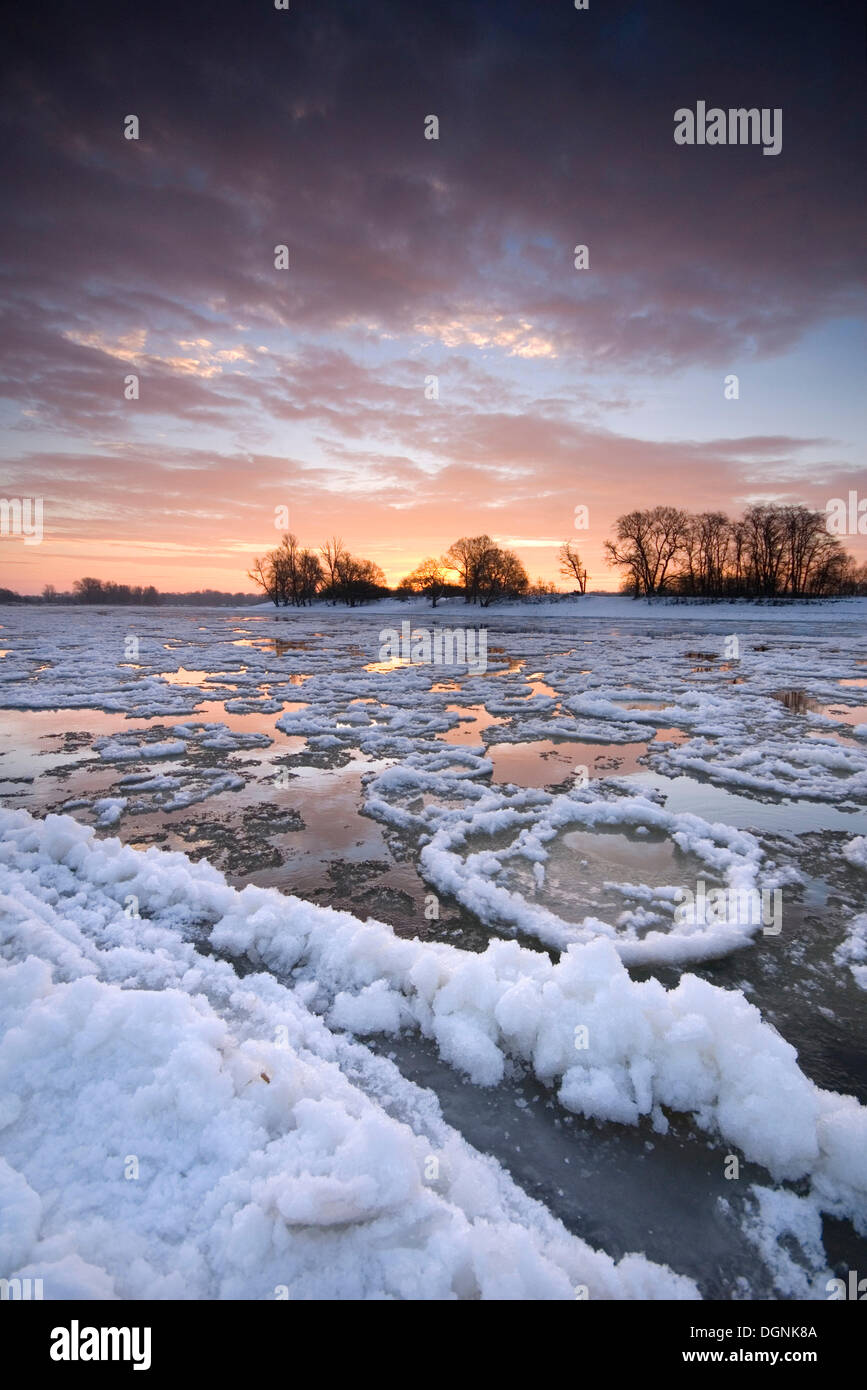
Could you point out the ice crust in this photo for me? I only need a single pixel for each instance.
(647, 1050)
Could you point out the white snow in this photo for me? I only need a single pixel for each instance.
(856, 852)
(852, 951)
(695, 1048)
(118, 750)
(122, 1039)
(172, 1131)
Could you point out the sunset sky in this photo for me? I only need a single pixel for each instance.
(411, 258)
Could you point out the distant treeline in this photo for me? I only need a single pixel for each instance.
(772, 551)
(293, 574)
(474, 568)
(98, 591)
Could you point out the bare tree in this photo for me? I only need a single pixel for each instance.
(331, 552)
(499, 574)
(810, 550)
(737, 577)
(88, 590)
(467, 557)
(714, 533)
(688, 576)
(357, 581)
(572, 566)
(647, 547)
(310, 576)
(288, 575)
(765, 544)
(771, 551)
(429, 578)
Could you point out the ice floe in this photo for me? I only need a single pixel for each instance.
(172, 1131)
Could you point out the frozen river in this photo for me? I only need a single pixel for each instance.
(568, 953)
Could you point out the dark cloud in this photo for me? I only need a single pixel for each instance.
(261, 126)
(305, 127)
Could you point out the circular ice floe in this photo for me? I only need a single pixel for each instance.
(666, 922)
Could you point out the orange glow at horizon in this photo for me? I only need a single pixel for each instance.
(27, 569)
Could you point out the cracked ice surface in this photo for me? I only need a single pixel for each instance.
(585, 866)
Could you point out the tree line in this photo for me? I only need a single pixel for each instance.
(772, 551)
(485, 572)
(474, 567)
(294, 575)
(104, 592)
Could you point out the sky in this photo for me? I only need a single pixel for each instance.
(310, 387)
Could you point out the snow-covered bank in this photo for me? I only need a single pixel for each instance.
(170, 1130)
(279, 1164)
(614, 607)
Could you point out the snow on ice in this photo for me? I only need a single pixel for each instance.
(258, 1163)
(274, 1148)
